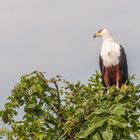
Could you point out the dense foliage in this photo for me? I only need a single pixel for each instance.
(55, 109)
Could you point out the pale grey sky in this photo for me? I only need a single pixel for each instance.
(55, 36)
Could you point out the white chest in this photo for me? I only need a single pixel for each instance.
(110, 53)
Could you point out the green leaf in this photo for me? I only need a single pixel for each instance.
(31, 106)
(119, 97)
(107, 134)
(116, 132)
(1, 112)
(137, 134)
(39, 112)
(5, 115)
(39, 136)
(96, 136)
(95, 123)
(117, 109)
(21, 102)
(118, 121)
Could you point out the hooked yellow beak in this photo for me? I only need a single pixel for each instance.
(97, 34)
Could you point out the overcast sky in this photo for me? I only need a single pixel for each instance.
(55, 36)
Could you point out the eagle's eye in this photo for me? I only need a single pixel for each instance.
(100, 31)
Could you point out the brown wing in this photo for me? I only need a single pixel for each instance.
(102, 68)
(123, 65)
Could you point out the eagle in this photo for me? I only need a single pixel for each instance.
(112, 60)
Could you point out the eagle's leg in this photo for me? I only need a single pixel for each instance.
(117, 85)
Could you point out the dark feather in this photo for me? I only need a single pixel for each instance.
(102, 68)
(123, 65)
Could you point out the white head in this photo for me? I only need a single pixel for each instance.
(104, 33)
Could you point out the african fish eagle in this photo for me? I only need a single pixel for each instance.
(112, 59)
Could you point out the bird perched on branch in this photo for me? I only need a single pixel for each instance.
(112, 59)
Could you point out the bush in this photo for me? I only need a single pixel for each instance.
(55, 109)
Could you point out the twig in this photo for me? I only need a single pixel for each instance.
(58, 93)
(53, 108)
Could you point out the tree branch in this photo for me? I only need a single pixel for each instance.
(57, 91)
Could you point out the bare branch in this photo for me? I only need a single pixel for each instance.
(57, 91)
